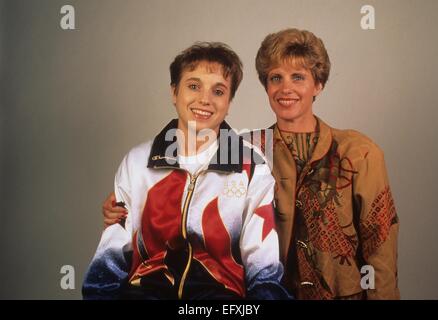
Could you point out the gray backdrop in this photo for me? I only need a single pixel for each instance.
(73, 102)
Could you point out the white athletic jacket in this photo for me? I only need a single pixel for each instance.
(222, 218)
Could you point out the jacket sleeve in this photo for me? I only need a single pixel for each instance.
(108, 270)
(378, 226)
(259, 241)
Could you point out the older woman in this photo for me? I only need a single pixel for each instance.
(335, 212)
(336, 218)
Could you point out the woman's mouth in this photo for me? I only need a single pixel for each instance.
(287, 102)
(201, 114)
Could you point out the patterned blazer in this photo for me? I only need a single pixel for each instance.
(337, 219)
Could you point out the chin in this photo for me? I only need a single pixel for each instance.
(288, 116)
(202, 126)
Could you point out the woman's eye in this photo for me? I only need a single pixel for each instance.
(275, 78)
(298, 77)
(218, 92)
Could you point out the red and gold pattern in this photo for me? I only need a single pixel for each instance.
(320, 197)
(324, 230)
(379, 220)
(312, 288)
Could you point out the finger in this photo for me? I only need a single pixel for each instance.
(116, 209)
(109, 222)
(113, 215)
(110, 201)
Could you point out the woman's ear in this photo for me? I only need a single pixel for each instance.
(173, 93)
(318, 89)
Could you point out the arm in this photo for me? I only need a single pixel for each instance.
(108, 270)
(378, 224)
(259, 241)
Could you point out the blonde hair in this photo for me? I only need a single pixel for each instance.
(296, 46)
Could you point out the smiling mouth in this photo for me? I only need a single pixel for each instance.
(287, 102)
(201, 114)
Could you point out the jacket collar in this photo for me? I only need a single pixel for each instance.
(231, 144)
(322, 146)
(324, 141)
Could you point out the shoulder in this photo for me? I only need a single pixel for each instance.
(140, 150)
(260, 139)
(257, 155)
(260, 144)
(257, 166)
(138, 156)
(355, 144)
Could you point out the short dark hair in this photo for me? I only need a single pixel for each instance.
(215, 52)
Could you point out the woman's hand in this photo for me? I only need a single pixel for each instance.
(112, 213)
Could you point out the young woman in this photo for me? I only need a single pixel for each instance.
(201, 220)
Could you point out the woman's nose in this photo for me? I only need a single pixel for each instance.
(204, 97)
(287, 87)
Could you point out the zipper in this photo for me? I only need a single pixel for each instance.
(184, 222)
(184, 232)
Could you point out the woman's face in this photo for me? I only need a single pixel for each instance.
(203, 96)
(291, 89)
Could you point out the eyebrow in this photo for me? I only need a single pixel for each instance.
(193, 79)
(275, 71)
(221, 84)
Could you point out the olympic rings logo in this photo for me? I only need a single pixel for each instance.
(234, 189)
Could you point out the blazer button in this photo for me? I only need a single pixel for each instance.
(307, 283)
(302, 244)
(299, 204)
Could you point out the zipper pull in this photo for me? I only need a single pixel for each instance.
(192, 183)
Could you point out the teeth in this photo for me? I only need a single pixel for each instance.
(286, 102)
(201, 112)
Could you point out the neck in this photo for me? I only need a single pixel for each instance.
(297, 125)
(186, 150)
(191, 143)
